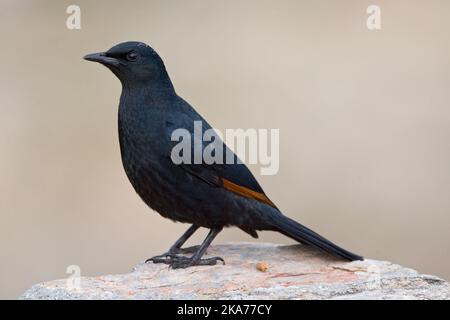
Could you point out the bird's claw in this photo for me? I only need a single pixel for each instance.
(176, 261)
(181, 262)
(163, 258)
(168, 256)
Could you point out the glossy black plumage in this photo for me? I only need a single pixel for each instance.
(212, 196)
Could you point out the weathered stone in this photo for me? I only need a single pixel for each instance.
(291, 272)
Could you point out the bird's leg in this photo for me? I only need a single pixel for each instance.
(179, 262)
(176, 247)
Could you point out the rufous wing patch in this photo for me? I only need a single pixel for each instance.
(246, 192)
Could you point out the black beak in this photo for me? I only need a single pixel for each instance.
(102, 58)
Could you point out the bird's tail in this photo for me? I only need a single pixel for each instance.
(298, 232)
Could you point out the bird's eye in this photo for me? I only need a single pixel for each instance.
(132, 56)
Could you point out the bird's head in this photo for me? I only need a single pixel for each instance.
(132, 62)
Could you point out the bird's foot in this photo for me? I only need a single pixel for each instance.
(182, 262)
(192, 249)
(171, 254)
(176, 261)
(163, 258)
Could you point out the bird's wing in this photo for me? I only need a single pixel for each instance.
(235, 177)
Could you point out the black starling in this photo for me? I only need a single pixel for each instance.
(214, 195)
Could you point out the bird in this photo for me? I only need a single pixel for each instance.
(205, 195)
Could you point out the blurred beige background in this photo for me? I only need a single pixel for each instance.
(364, 118)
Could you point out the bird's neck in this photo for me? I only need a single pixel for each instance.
(138, 97)
(159, 85)
(147, 93)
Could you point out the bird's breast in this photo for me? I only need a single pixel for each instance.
(146, 161)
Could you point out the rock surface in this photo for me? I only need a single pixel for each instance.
(255, 271)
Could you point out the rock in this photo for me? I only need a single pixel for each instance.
(255, 271)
